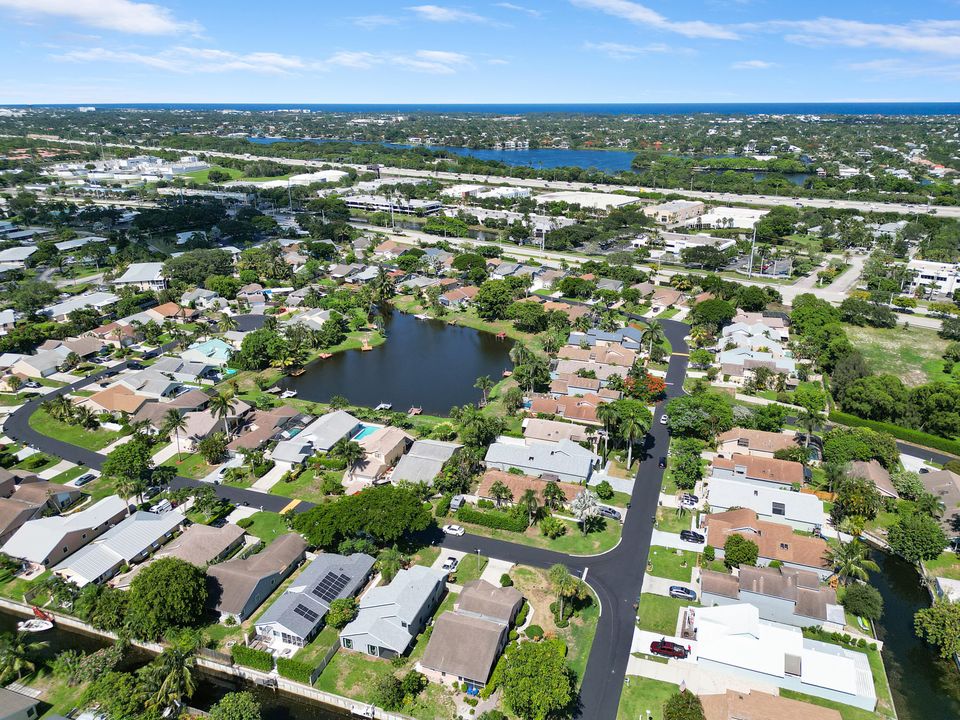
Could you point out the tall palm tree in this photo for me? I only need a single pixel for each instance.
(519, 353)
(553, 496)
(562, 582)
(351, 451)
(652, 334)
(607, 414)
(631, 427)
(127, 487)
(529, 501)
(850, 560)
(174, 422)
(17, 653)
(173, 676)
(484, 385)
(226, 323)
(222, 405)
(500, 492)
(809, 421)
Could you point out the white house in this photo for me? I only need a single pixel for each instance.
(801, 511)
(143, 276)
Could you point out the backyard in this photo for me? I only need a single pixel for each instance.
(44, 423)
(641, 694)
(267, 526)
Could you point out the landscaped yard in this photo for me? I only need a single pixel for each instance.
(470, 568)
(42, 422)
(913, 354)
(673, 520)
(68, 475)
(672, 564)
(314, 652)
(192, 465)
(641, 694)
(659, 614)
(573, 542)
(267, 526)
(947, 565)
(308, 486)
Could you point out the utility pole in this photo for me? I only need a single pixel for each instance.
(753, 245)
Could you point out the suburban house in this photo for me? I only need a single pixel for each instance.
(143, 276)
(755, 705)
(628, 337)
(562, 460)
(518, 485)
(483, 613)
(311, 318)
(391, 616)
(391, 249)
(774, 540)
(201, 298)
(96, 300)
(213, 351)
(946, 486)
(324, 432)
(424, 461)
(783, 595)
(238, 587)
(764, 471)
(604, 355)
(182, 369)
(757, 443)
(732, 639)
(581, 409)
(294, 619)
(738, 361)
(799, 510)
(553, 431)
(49, 540)
(115, 400)
(29, 500)
(149, 383)
(117, 335)
(203, 545)
(44, 364)
(382, 448)
(458, 297)
(130, 540)
(874, 472)
(17, 706)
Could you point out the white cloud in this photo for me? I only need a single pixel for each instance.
(438, 13)
(192, 60)
(642, 15)
(371, 22)
(938, 37)
(752, 65)
(621, 51)
(120, 15)
(520, 9)
(899, 68)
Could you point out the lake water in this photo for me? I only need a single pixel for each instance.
(424, 363)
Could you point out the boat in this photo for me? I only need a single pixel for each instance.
(34, 625)
(326, 356)
(508, 373)
(422, 316)
(288, 394)
(414, 411)
(384, 406)
(297, 373)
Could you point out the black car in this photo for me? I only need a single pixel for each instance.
(609, 512)
(83, 479)
(682, 593)
(692, 537)
(134, 365)
(663, 462)
(923, 471)
(688, 499)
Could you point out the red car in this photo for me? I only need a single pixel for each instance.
(666, 648)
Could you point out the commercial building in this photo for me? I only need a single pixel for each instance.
(675, 211)
(933, 278)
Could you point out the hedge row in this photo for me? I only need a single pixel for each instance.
(492, 519)
(911, 436)
(294, 670)
(248, 657)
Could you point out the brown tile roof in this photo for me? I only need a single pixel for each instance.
(775, 541)
(538, 429)
(519, 484)
(761, 468)
(801, 587)
(582, 409)
(622, 357)
(759, 439)
(875, 473)
(459, 294)
(756, 705)
(118, 398)
(172, 309)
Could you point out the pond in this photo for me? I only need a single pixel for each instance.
(273, 705)
(424, 363)
(924, 687)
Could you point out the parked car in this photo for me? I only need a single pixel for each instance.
(688, 499)
(664, 419)
(692, 537)
(665, 648)
(84, 479)
(134, 365)
(451, 564)
(151, 492)
(453, 529)
(682, 593)
(609, 512)
(663, 462)
(31, 384)
(923, 471)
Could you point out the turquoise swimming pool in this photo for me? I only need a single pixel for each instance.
(364, 431)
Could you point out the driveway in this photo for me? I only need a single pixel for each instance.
(672, 540)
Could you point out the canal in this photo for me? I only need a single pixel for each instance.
(924, 687)
(274, 705)
(424, 363)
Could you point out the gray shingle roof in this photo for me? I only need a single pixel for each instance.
(424, 460)
(563, 457)
(142, 272)
(327, 430)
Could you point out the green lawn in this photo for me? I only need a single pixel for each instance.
(913, 354)
(470, 568)
(68, 475)
(306, 487)
(668, 313)
(672, 564)
(203, 176)
(313, 653)
(425, 556)
(37, 462)
(579, 638)
(947, 565)
(353, 674)
(641, 694)
(673, 520)
(192, 465)
(267, 526)
(573, 542)
(42, 422)
(214, 636)
(659, 614)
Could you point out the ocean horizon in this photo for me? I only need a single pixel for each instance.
(794, 108)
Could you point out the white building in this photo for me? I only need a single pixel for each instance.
(143, 276)
(801, 511)
(934, 278)
(675, 211)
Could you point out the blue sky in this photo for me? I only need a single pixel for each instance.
(518, 51)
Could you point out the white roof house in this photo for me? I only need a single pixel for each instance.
(325, 431)
(146, 276)
(37, 541)
(424, 461)
(802, 511)
(17, 254)
(565, 460)
(68, 245)
(132, 539)
(95, 300)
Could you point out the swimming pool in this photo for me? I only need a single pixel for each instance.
(365, 430)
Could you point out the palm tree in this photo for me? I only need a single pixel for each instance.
(607, 414)
(553, 496)
(484, 384)
(174, 422)
(563, 584)
(520, 353)
(352, 452)
(173, 673)
(584, 507)
(809, 421)
(222, 405)
(531, 503)
(634, 421)
(500, 492)
(226, 323)
(850, 560)
(653, 335)
(17, 653)
(127, 487)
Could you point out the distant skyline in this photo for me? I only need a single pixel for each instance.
(528, 51)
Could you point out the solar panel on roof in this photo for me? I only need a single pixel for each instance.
(330, 586)
(306, 612)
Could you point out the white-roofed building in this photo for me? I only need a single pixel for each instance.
(564, 460)
(935, 278)
(801, 511)
(144, 276)
(17, 255)
(424, 461)
(95, 300)
(590, 200)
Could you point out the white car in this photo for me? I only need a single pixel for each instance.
(450, 565)
(453, 530)
(664, 419)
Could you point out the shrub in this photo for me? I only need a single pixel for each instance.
(552, 528)
(443, 507)
(522, 614)
(913, 436)
(244, 522)
(294, 670)
(709, 554)
(248, 657)
(561, 622)
(775, 564)
(492, 519)
(471, 701)
(534, 632)
(486, 504)
(506, 580)
(737, 551)
(513, 635)
(604, 490)
(863, 600)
